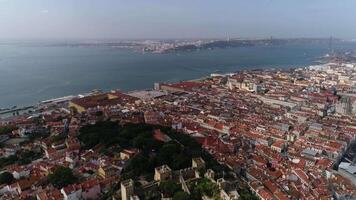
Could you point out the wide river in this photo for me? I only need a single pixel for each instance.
(31, 73)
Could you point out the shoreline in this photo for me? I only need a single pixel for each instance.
(15, 110)
(189, 67)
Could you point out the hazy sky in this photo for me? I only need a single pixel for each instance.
(35, 19)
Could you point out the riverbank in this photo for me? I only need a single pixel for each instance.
(30, 74)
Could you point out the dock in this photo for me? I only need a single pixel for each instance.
(16, 110)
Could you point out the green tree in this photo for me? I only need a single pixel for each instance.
(204, 187)
(181, 161)
(168, 154)
(101, 133)
(139, 164)
(152, 195)
(168, 188)
(6, 178)
(246, 194)
(7, 129)
(62, 177)
(8, 161)
(181, 196)
(145, 142)
(27, 157)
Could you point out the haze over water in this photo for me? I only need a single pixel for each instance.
(30, 73)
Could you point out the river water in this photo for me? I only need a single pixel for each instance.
(31, 73)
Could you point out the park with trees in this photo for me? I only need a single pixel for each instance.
(176, 153)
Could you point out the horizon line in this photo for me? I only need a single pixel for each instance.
(168, 38)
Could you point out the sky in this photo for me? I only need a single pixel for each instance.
(135, 19)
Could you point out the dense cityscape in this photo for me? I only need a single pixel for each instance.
(177, 100)
(253, 134)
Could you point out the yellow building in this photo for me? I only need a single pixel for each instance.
(107, 171)
(76, 107)
(101, 100)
